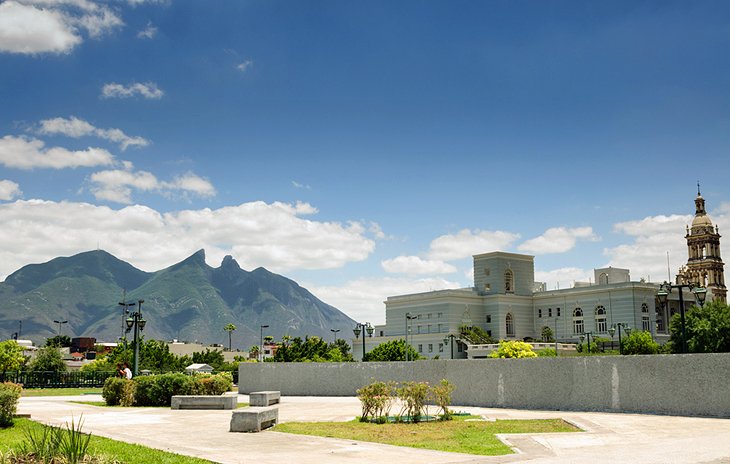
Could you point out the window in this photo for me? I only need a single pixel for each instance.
(510, 325)
(486, 271)
(660, 324)
(578, 321)
(509, 281)
(487, 287)
(557, 310)
(418, 329)
(645, 323)
(550, 312)
(430, 347)
(489, 318)
(428, 328)
(420, 348)
(539, 313)
(441, 347)
(603, 279)
(459, 347)
(440, 328)
(381, 333)
(428, 316)
(601, 319)
(440, 315)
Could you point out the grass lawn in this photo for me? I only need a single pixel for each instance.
(458, 435)
(60, 391)
(11, 437)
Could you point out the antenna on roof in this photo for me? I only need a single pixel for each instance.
(698, 189)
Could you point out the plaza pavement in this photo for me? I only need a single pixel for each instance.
(607, 437)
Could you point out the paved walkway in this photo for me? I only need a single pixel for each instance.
(618, 438)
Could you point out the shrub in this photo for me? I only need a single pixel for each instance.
(547, 353)
(640, 342)
(441, 395)
(118, 392)
(206, 384)
(376, 400)
(9, 395)
(413, 395)
(513, 349)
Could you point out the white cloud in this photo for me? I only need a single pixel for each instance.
(148, 32)
(117, 185)
(9, 190)
(27, 29)
(147, 90)
(244, 66)
(75, 127)
(256, 234)
(52, 26)
(557, 240)
(28, 153)
(300, 186)
(416, 265)
(467, 243)
(563, 277)
(362, 299)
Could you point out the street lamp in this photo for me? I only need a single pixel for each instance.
(334, 331)
(359, 327)
(446, 340)
(612, 331)
(409, 317)
(700, 294)
(261, 346)
(125, 312)
(59, 325)
(136, 322)
(588, 334)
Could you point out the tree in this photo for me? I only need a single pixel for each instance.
(394, 350)
(47, 359)
(476, 335)
(513, 349)
(311, 349)
(707, 327)
(213, 358)
(59, 341)
(229, 328)
(639, 342)
(547, 334)
(11, 356)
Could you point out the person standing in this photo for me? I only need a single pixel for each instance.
(127, 372)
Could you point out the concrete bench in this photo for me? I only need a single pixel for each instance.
(254, 419)
(224, 401)
(264, 398)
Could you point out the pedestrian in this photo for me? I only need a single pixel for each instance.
(127, 372)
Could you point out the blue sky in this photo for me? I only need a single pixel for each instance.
(364, 149)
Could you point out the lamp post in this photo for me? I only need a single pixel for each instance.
(700, 294)
(366, 327)
(409, 317)
(334, 331)
(581, 337)
(59, 325)
(136, 322)
(587, 334)
(125, 311)
(261, 345)
(446, 340)
(612, 330)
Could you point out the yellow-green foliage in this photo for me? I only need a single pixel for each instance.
(9, 395)
(513, 349)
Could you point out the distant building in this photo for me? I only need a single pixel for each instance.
(508, 304)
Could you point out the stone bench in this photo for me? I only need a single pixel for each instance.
(254, 419)
(224, 401)
(264, 398)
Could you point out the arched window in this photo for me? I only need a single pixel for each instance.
(645, 322)
(578, 321)
(601, 326)
(509, 281)
(603, 279)
(510, 325)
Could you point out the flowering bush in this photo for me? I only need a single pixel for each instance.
(376, 400)
(441, 395)
(513, 349)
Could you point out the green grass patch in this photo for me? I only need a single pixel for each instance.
(12, 437)
(60, 391)
(460, 435)
(103, 404)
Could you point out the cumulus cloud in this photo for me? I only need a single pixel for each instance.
(9, 190)
(29, 153)
(275, 235)
(52, 26)
(467, 243)
(296, 184)
(75, 127)
(563, 277)
(148, 90)
(416, 265)
(557, 240)
(117, 185)
(244, 66)
(148, 32)
(362, 299)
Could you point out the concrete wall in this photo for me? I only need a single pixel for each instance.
(687, 385)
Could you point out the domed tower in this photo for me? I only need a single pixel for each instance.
(705, 266)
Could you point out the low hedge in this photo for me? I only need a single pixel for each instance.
(9, 395)
(158, 390)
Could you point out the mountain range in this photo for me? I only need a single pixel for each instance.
(187, 301)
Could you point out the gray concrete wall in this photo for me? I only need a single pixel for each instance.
(687, 385)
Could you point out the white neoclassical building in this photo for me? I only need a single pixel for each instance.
(507, 303)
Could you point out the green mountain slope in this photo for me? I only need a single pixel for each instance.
(189, 300)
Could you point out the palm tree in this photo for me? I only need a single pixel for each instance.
(229, 328)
